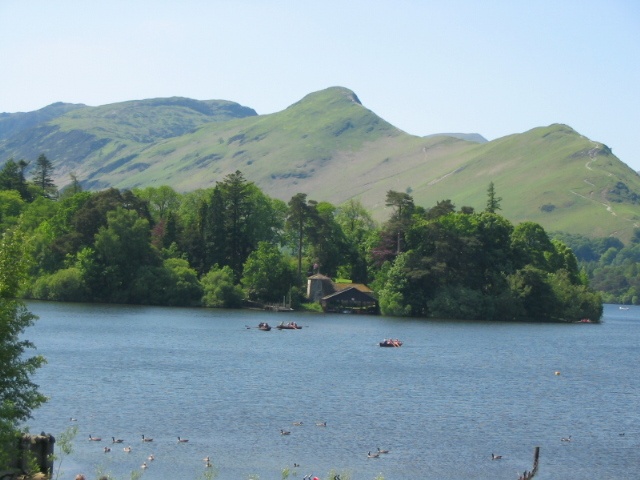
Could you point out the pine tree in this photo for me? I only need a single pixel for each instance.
(302, 223)
(493, 202)
(42, 176)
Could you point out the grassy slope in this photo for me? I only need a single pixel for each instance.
(545, 166)
(94, 141)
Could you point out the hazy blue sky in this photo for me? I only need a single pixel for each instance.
(491, 67)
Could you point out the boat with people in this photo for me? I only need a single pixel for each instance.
(288, 326)
(264, 326)
(391, 342)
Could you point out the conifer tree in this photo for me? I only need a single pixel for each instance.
(493, 202)
(297, 220)
(42, 176)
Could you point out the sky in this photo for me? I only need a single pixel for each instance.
(443, 66)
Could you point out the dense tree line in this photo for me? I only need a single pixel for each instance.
(611, 267)
(232, 243)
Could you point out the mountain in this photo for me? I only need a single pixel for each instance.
(93, 141)
(331, 147)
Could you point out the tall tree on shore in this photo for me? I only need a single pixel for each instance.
(42, 176)
(359, 229)
(235, 194)
(398, 223)
(300, 222)
(212, 221)
(232, 219)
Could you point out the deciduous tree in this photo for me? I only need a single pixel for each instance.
(267, 276)
(12, 178)
(359, 230)
(220, 290)
(19, 396)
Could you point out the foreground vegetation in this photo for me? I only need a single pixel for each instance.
(221, 246)
(18, 394)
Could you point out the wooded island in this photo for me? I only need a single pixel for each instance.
(225, 245)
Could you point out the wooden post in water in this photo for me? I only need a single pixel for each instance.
(529, 475)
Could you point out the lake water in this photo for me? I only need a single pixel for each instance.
(452, 395)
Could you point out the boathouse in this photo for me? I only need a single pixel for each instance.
(341, 297)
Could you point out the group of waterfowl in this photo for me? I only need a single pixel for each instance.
(207, 460)
(151, 457)
(377, 453)
(324, 424)
(300, 424)
(128, 448)
(499, 457)
(119, 440)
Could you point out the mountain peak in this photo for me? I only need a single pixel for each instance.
(330, 96)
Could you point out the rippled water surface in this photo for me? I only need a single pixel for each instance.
(442, 403)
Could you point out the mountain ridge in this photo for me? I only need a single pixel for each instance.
(14, 123)
(331, 147)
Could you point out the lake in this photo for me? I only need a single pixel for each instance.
(452, 395)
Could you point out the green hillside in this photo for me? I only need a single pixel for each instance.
(93, 141)
(329, 146)
(285, 151)
(550, 175)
